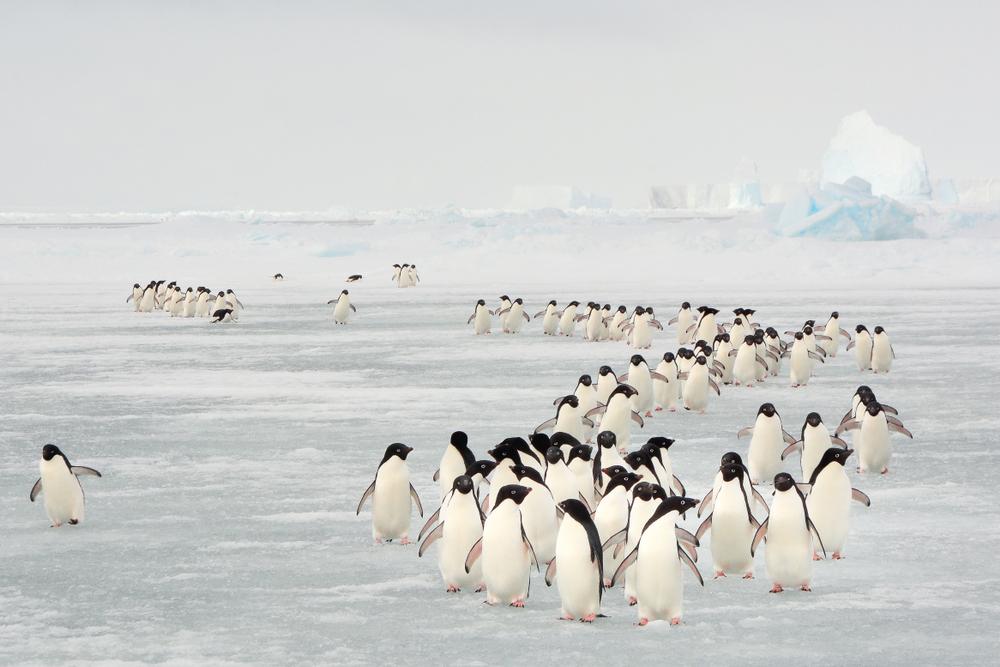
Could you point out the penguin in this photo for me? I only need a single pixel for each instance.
(405, 278)
(697, 385)
(539, 514)
(646, 496)
(789, 531)
(657, 447)
(580, 464)
(617, 413)
(641, 379)
(412, 275)
(482, 318)
(862, 345)
(685, 360)
(685, 318)
(729, 458)
(744, 368)
(278, 277)
(506, 552)
(550, 322)
(135, 297)
(732, 524)
(595, 324)
(456, 536)
(204, 307)
(354, 278)
(764, 358)
(657, 558)
(874, 446)
(540, 444)
(503, 311)
(777, 347)
(224, 315)
(586, 394)
(611, 515)
(177, 303)
(833, 332)
(882, 352)
(611, 456)
(506, 455)
(456, 460)
(617, 321)
(148, 301)
(767, 442)
(190, 302)
(723, 358)
(479, 472)
(812, 444)
(606, 318)
(64, 500)
(343, 309)
(829, 501)
(578, 555)
(397, 270)
(606, 383)
(391, 492)
(567, 319)
(560, 479)
(568, 418)
(706, 327)
(665, 389)
(234, 303)
(642, 329)
(800, 357)
(737, 331)
(514, 316)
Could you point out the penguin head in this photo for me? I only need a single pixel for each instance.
(771, 332)
(732, 471)
(701, 360)
(879, 330)
(278, 275)
(622, 309)
(660, 442)
(624, 389)
(833, 455)
(553, 455)
(738, 320)
(810, 323)
(505, 298)
(758, 337)
(573, 303)
(835, 315)
(649, 311)
(672, 504)
(577, 510)
(813, 419)
(483, 468)
(807, 330)
(540, 442)
(581, 452)
(585, 380)
(606, 370)
(783, 482)
(798, 335)
(863, 389)
(49, 451)
(873, 407)
(607, 307)
(463, 484)
(481, 302)
(767, 409)
(571, 400)
(748, 312)
(730, 458)
(639, 310)
(459, 440)
(636, 360)
(396, 449)
(190, 289)
(514, 492)
(748, 340)
(638, 459)
(612, 471)
(560, 439)
(668, 357)
(136, 286)
(643, 491)
(625, 479)
(505, 451)
(524, 471)
(344, 292)
(229, 291)
(685, 306)
(607, 440)
(519, 301)
(552, 302)
(860, 328)
(737, 312)
(652, 451)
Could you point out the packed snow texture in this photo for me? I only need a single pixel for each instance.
(892, 165)
(224, 531)
(847, 212)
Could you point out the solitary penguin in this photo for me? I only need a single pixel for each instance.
(354, 278)
(278, 277)
(577, 567)
(343, 309)
(63, 493)
(391, 493)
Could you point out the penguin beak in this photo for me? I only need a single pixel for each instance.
(409, 449)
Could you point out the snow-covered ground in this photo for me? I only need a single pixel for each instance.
(234, 456)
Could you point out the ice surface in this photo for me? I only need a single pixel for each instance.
(892, 165)
(223, 531)
(528, 197)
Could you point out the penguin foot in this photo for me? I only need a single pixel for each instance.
(836, 555)
(481, 589)
(861, 470)
(632, 602)
(642, 621)
(607, 583)
(73, 522)
(378, 541)
(589, 618)
(719, 575)
(884, 472)
(748, 575)
(649, 414)
(55, 525)
(454, 589)
(675, 621)
(405, 542)
(659, 409)
(517, 603)
(776, 589)
(702, 412)
(673, 409)
(567, 617)
(805, 588)
(816, 556)
(489, 602)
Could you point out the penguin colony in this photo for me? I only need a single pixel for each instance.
(405, 275)
(595, 517)
(221, 307)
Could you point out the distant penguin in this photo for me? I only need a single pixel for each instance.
(882, 352)
(874, 446)
(64, 500)
(580, 464)
(235, 303)
(595, 325)
(577, 566)
(412, 275)
(278, 277)
(812, 444)
(697, 386)
(789, 532)
(800, 356)
(568, 418)
(685, 360)
(148, 301)
(685, 318)
(560, 479)
(503, 311)
(550, 323)
(833, 332)
(744, 367)
(829, 501)
(190, 302)
(343, 309)
(567, 320)
(482, 318)
(514, 316)
(204, 307)
(456, 535)
(354, 278)
(862, 345)
(617, 322)
(657, 559)
(135, 297)
(617, 415)
(641, 379)
(732, 524)
(665, 390)
(777, 347)
(223, 315)
(456, 460)
(767, 443)
(397, 271)
(177, 303)
(391, 492)
(506, 553)
(724, 358)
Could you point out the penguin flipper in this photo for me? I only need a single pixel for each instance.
(705, 501)
(838, 441)
(845, 334)
(588, 422)
(545, 425)
(539, 314)
(733, 353)
(599, 410)
(472, 317)
(813, 355)
(711, 383)
(898, 428)
(430, 522)
(531, 549)
(83, 470)
(758, 536)
(655, 324)
(129, 298)
(889, 409)
(636, 418)
(678, 483)
(437, 475)
(623, 377)
(682, 376)
(431, 538)
(690, 563)
(703, 528)
(771, 354)
(692, 327)
(851, 345)
(744, 432)
(760, 361)
(615, 539)
(861, 497)
(474, 554)
(821, 337)
(505, 310)
(626, 563)
(685, 536)
(787, 438)
(658, 376)
(550, 572)
(760, 499)
(371, 490)
(353, 309)
(815, 532)
(848, 426)
(36, 489)
(794, 447)
(413, 494)
(672, 321)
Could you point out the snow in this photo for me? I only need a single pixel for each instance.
(224, 531)
(892, 165)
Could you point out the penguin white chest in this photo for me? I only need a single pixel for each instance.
(61, 491)
(658, 579)
(578, 576)
(391, 504)
(788, 554)
(506, 559)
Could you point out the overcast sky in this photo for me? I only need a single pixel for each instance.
(170, 106)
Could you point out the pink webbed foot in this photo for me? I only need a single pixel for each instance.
(648, 413)
(489, 602)
(748, 575)
(675, 621)
(454, 589)
(884, 472)
(567, 617)
(632, 602)
(659, 409)
(481, 589)
(816, 556)
(673, 409)
(805, 588)
(776, 589)
(73, 522)
(377, 540)
(589, 618)
(607, 583)
(55, 525)
(642, 621)
(720, 575)
(702, 412)
(836, 555)
(405, 542)
(517, 603)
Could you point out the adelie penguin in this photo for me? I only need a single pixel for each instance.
(767, 442)
(577, 566)
(278, 277)
(354, 278)
(789, 532)
(61, 487)
(862, 345)
(456, 535)
(482, 317)
(343, 309)
(812, 444)
(456, 460)
(732, 524)
(391, 493)
(829, 501)
(873, 444)
(507, 555)
(882, 352)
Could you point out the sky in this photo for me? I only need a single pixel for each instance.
(384, 105)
